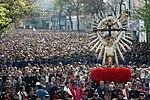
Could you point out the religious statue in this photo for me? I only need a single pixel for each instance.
(111, 38)
(110, 52)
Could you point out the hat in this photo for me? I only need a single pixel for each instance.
(37, 83)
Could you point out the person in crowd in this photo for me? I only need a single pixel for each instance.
(147, 94)
(31, 95)
(89, 90)
(116, 91)
(61, 92)
(101, 89)
(96, 97)
(22, 94)
(134, 92)
(47, 97)
(141, 97)
(53, 90)
(67, 88)
(5, 94)
(121, 96)
(126, 91)
(20, 83)
(41, 92)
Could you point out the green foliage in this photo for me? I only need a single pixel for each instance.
(143, 13)
(12, 11)
(4, 20)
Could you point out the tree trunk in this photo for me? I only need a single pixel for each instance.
(71, 24)
(78, 23)
(59, 20)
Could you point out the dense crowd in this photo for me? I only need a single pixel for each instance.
(69, 82)
(20, 47)
(139, 54)
(44, 46)
(36, 66)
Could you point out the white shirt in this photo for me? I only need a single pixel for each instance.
(20, 94)
(67, 90)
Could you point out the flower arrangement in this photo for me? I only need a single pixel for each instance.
(118, 75)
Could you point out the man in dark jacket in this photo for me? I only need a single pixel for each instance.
(101, 89)
(134, 93)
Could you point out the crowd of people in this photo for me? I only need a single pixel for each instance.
(20, 47)
(44, 46)
(46, 65)
(139, 54)
(69, 82)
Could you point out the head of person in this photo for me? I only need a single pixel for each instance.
(101, 83)
(42, 80)
(126, 86)
(107, 96)
(88, 85)
(74, 85)
(31, 91)
(7, 89)
(54, 84)
(129, 84)
(96, 96)
(19, 79)
(22, 89)
(147, 91)
(77, 77)
(16, 96)
(40, 86)
(53, 79)
(110, 87)
(12, 91)
(84, 96)
(120, 95)
(67, 84)
(62, 87)
(133, 86)
(142, 96)
(47, 97)
(144, 86)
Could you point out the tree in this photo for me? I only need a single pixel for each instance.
(58, 7)
(77, 6)
(68, 11)
(67, 7)
(12, 11)
(143, 13)
(93, 7)
(4, 20)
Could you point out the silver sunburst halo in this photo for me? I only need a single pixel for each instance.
(110, 27)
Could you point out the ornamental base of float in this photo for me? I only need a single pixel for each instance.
(117, 75)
